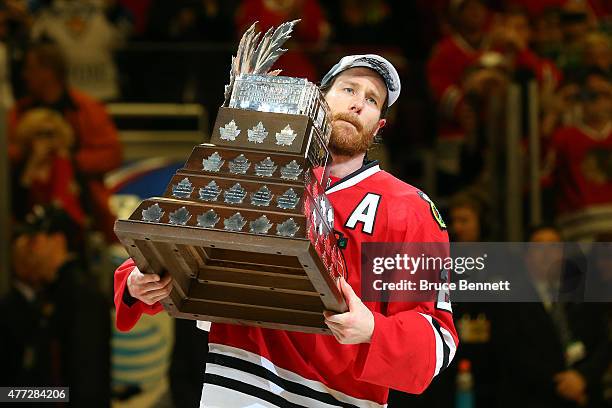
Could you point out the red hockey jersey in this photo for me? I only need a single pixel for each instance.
(582, 172)
(411, 342)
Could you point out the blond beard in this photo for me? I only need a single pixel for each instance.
(350, 139)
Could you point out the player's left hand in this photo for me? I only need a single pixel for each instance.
(352, 327)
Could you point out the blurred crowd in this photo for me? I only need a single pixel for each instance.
(61, 61)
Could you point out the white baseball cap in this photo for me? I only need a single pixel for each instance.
(375, 62)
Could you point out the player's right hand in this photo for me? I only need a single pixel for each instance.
(148, 287)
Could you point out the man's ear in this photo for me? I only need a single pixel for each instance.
(381, 124)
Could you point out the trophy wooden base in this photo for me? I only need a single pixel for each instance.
(234, 277)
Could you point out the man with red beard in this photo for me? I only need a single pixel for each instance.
(375, 346)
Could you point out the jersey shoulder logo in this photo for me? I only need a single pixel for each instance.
(434, 211)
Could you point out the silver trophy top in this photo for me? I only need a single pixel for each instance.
(278, 94)
(281, 94)
(257, 57)
(253, 87)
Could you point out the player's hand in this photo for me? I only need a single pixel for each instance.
(148, 287)
(571, 385)
(355, 326)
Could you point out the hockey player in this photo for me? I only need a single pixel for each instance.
(375, 346)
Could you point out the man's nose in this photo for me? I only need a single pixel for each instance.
(356, 104)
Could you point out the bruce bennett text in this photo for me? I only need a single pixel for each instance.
(425, 285)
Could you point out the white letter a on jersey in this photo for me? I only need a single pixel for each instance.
(365, 213)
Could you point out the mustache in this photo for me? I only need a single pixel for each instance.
(348, 117)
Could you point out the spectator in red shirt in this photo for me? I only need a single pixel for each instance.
(547, 35)
(513, 39)
(581, 156)
(47, 175)
(96, 149)
(449, 61)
